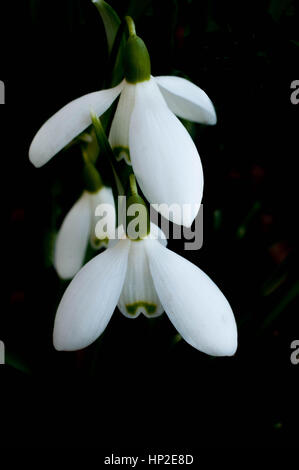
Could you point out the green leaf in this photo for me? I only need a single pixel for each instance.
(116, 41)
(105, 149)
(287, 299)
(116, 57)
(137, 8)
(217, 219)
(14, 361)
(278, 8)
(110, 19)
(243, 228)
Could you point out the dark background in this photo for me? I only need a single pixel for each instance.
(136, 387)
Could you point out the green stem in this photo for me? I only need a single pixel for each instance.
(242, 229)
(84, 155)
(289, 297)
(133, 185)
(130, 25)
(92, 177)
(106, 149)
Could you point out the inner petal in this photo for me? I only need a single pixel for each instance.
(102, 207)
(139, 294)
(119, 133)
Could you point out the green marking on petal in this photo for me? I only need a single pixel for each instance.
(150, 308)
(98, 242)
(122, 153)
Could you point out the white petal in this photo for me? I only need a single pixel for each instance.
(194, 304)
(90, 299)
(119, 133)
(67, 123)
(71, 241)
(164, 157)
(157, 233)
(120, 234)
(139, 294)
(102, 204)
(187, 100)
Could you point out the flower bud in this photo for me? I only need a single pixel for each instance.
(92, 178)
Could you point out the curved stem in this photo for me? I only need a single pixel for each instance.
(106, 149)
(133, 184)
(84, 155)
(130, 25)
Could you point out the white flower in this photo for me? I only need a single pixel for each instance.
(145, 277)
(78, 226)
(146, 132)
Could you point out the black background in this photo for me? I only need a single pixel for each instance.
(135, 388)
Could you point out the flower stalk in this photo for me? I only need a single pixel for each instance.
(130, 25)
(135, 204)
(106, 149)
(133, 185)
(92, 178)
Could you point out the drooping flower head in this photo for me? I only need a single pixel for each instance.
(145, 131)
(139, 275)
(82, 224)
(79, 227)
(145, 277)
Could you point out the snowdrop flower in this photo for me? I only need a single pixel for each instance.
(79, 226)
(145, 131)
(145, 277)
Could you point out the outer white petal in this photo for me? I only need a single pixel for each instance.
(102, 199)
(194, 304)
(120, 234)
(164, 157)
(90, 299)
(119, 133)
(157, 233)
(139, 294)
(67, 123)
(187, 100)
(71, 241)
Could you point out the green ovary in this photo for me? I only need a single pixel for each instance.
(99, 242)
(150, 308)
